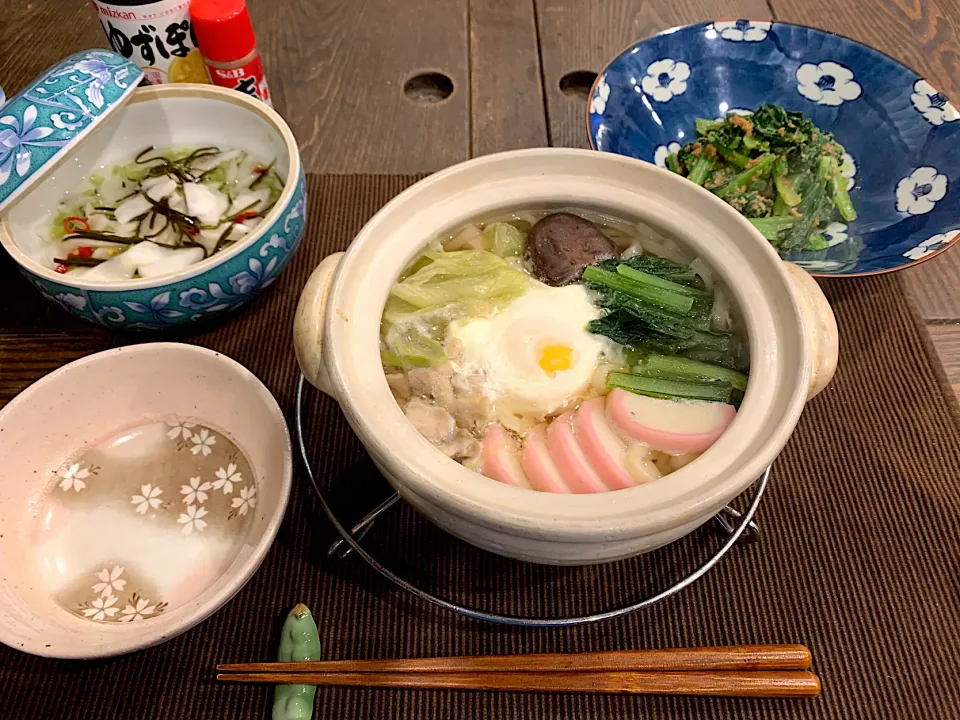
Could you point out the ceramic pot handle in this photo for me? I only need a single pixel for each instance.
(820, 328)
(308, 323)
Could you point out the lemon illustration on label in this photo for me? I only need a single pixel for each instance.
(189, 69)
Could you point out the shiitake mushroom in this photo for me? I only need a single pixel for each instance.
(561, 245)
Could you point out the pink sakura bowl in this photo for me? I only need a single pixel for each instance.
(141, 489)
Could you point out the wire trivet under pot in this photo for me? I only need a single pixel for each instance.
(731, 522)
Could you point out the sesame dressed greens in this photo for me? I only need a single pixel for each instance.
(776, 168)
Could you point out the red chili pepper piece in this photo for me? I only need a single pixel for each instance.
(84, 251)
(62, 269)
(246, 215)
(74, 223)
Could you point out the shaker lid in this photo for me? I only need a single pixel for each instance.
(44, 122)
(223, 29)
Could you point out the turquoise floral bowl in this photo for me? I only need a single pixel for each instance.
(180, 115)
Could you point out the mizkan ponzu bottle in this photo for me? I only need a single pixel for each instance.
(156, 35)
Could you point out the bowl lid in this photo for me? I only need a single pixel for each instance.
(42, 123)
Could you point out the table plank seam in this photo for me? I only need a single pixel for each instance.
(543, 77)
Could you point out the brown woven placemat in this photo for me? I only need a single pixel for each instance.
(857, 558)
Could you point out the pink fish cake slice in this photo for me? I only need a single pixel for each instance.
(500, 457)
(670, 426)
(536, 462)
(570, 459)
(604, 450)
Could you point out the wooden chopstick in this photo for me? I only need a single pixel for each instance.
(740, 657)
(767, 684)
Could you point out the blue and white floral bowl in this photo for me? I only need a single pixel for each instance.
(90, 115)
(901, 134)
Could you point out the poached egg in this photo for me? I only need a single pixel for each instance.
(536, 355)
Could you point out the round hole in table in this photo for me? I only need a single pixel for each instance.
(576, 85)
(428, 88)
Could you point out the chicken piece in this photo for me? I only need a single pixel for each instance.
(462, 446)
(432, 384)
(399, 386)
(454, 347)
(473, 412)
(431, 421)
(467, 384)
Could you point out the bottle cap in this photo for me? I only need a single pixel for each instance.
(223, 29)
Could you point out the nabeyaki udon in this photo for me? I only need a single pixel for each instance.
(564, 352)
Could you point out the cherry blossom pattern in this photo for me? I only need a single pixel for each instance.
(149, 497)
(665, 79)
(932, 245)
(110, 581)
(743, 30)
(663, 151)
(246, 501)
(180, 429)
(818, 265)
(102, 608)
(226, 477)
(73, 478)
(933, 104)
(137, 609)
(828, 83)
(848, 168)
(190, 519)
(834, 234)
(600, 97)
(195, 492)
(919, 192)
(203, 442)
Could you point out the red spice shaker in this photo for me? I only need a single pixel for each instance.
(229, 49)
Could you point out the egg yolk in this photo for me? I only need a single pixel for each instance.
(556, 358)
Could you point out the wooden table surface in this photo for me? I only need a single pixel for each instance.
(338, 69)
